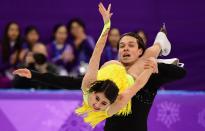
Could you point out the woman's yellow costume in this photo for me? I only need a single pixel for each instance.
(116, 73)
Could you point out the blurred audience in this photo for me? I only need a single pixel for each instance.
(60, 52)
(111, 51)
(143, 35)
(10, 55)
(36, 60)
(31, 37)
(82, 45)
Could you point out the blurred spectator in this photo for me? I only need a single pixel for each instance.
(60, 52)
(111, 51)
(143, 35)
(9, 52)
(82, 44)
(31, 37)
(37, 61)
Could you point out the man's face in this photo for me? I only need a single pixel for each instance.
(128, 50)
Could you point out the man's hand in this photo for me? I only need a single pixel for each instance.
(23, 73)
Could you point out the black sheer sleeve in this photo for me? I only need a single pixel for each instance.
(62, 82)
(167, 73)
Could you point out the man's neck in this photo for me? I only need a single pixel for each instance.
(128, 65)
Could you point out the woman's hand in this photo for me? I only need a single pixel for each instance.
(13, 58)
(106, 15)
(68, 56)
(29, 58)
(23, 73)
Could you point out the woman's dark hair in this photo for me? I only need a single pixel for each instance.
(30, 28)
(108, 87)
(140, 42)
(55, 29)
(6, 42)
(78, 21)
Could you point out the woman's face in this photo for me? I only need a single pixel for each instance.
(98, 101)
(143, 36)
(76, 29)
(128, 50)
(61, 35)
(32, 37)
(114, 37)
(13, 32)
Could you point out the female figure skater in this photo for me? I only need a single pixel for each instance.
(108, 91)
